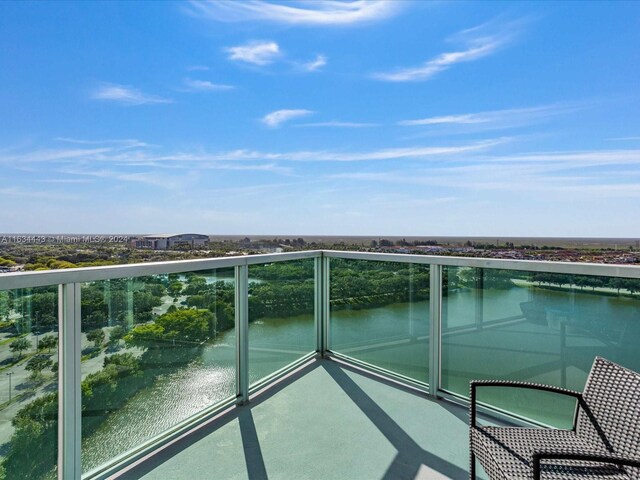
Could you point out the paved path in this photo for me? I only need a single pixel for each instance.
(21, 383)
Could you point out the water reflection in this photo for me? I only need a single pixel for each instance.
(508, 344)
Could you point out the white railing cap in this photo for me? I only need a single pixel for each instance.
(10, 281)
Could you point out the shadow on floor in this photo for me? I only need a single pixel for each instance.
(254, 459)
(410, 455)
(406, 464)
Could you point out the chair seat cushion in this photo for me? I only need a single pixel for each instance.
(508, 452)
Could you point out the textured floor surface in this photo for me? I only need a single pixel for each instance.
(326, 421)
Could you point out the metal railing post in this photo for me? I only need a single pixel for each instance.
(318, 297)
(242, 333)
(435, 335)
(326, 310)
(69, 391)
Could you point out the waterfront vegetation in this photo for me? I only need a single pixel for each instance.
(57, 253)
(358, 284)
(144, 328)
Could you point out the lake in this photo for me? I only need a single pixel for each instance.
(484, 336)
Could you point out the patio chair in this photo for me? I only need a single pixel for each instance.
(604, 442)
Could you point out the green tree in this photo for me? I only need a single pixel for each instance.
(94, 319)
(96, 336)
(94, 308)
(178, 327)
(633, 285)
(4, 306)
(187, 325)
(155, 289)
(196, 284)
(31, 450)
(199, 301)
(48, 342)
(116, 334)
(36, 364)
(20, 345)
(145, 336)
(175, 288)
(143, 303)
(43, 307)
(5, 262)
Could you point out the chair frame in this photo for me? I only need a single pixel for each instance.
(538, 456)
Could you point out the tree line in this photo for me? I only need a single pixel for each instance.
(589, 281)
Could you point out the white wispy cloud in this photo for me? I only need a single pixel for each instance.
(459, 119)
(252, 189)
(489, 180)
(370, 155)
(300, 12)
(193, 85)
(124, 157)
(125, 95)
(314, 65)
(169, 182)
(623, 139)
(277, 118)
(406, 153)
(558, 173)
(338, 124)
(64, 180)
(265, 167)
(53, 155)
(30, 193)
(255, 52)
(478, 42)
(496, 118)
(125, 142)
(417, 152)
(576, 159)
(262, 53)
(393, 201)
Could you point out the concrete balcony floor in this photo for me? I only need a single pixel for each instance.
(326, 420)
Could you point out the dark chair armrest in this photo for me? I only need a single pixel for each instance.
(588, 457)
(474, 384)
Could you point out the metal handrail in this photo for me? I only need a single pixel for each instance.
(10, 281)
(546, 266)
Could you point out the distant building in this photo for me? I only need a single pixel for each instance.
(167, 241)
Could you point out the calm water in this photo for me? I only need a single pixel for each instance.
(190, 389)
(393, 337)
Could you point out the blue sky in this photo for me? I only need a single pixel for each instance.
(294, 118)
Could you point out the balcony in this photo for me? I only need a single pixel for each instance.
(303, 365)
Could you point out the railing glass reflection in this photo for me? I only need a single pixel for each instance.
(538, 327)
(29, 383)
(155, 351)
(380, 314)
(281, 315)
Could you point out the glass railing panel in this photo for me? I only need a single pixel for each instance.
(537, 327)
(156, 350)
(281, 315)
(29, 383)
(380, 314)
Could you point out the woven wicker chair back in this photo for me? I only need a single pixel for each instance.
(612, 398)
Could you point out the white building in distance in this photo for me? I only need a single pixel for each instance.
(165, 241)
